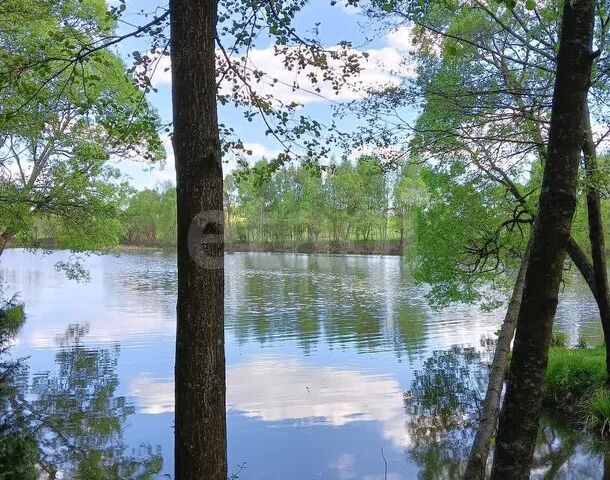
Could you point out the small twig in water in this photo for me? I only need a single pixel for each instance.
(385, 462)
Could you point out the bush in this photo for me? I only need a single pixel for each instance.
(573, 374)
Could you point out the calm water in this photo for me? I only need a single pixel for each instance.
(320, 350)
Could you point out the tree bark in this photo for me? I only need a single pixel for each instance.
(520, 414)
(596, 233)
(5, 239)
(477, 460)
(200, 419)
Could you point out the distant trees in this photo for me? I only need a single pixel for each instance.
(150, 217)
(299, 205)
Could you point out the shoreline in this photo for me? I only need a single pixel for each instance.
(391, 248)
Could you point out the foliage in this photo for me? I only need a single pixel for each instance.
(18, 448)
(62, 125)
(483, 89)
(12, 316)
(345, 202)
(150, 217)
(463, 244)
(442, 405)
(70, 422)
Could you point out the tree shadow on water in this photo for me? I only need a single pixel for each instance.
(443, 411)
(67, 423)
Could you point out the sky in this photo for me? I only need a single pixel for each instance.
(386, 50)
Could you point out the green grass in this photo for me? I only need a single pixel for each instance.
(559, 339)
(575, 383)
(573, 374)
(598, 412)
(582, 342)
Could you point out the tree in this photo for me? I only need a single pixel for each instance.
(200, 422)
(60, 127)
(150, 217)
(409, 195)
(485, 77)
(520, 414)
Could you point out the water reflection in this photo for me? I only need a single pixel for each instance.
(319, 352)
(367, 303)
(69, 422)
(299, 392)
(443, 407)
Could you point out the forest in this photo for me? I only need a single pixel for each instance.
(183, 185)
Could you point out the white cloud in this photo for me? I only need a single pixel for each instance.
(258, 150)
(154, 395)
(350, 9)
(166, 172)
(307, 393)
(601, 135)
(401, 38)
(384, 66)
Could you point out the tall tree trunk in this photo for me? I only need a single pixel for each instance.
(200, 423)
(596, 233)
(477, 461)
(594, 272)
(520, 414)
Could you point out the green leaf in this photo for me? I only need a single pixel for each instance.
(387, 7)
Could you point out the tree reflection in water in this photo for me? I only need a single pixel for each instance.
(69, 423)
(443, 407)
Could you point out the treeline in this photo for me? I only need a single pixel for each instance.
(354, 207)
(347, 206)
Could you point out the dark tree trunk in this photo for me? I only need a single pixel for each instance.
(596, 233)
(477, 460)
(5, 239)
(200, 424)
(583, 263)
(520, 414)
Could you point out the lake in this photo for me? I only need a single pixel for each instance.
(320, 351)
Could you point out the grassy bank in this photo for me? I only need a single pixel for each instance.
(575, 384)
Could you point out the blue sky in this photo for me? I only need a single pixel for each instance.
(386, 49)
